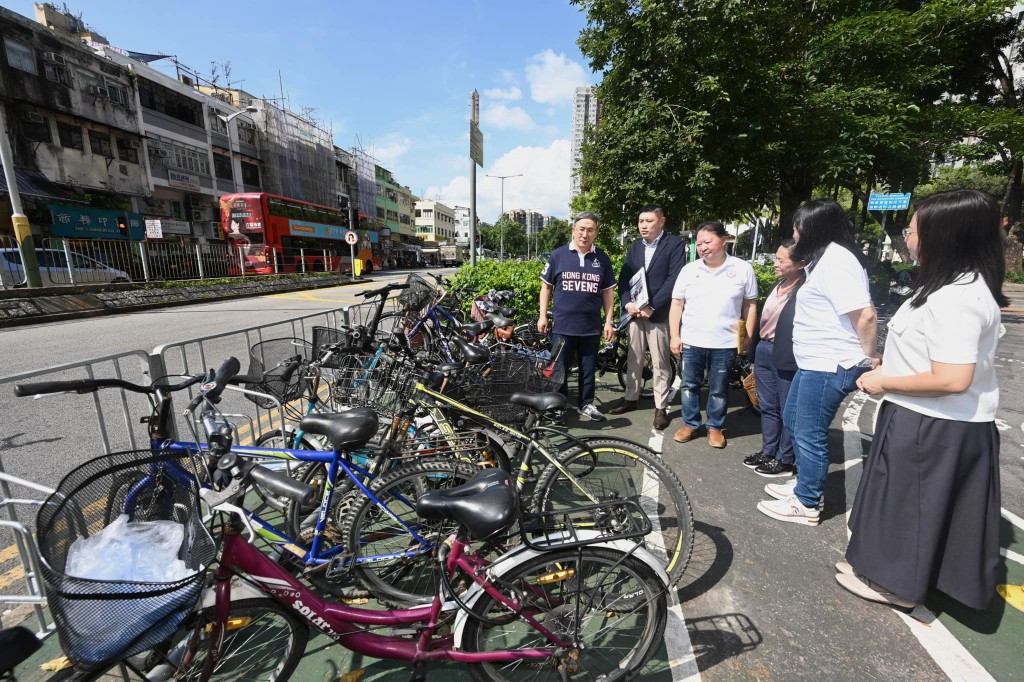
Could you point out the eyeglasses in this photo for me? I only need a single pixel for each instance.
(907, 232)
(586, 230)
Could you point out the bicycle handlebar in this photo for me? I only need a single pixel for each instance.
(92, 385)
(384, 290)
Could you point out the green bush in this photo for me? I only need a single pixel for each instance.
(765, 271)
(522, 277)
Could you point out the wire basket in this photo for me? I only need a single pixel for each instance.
(545, 375)
(489, 388)
(103, 620)
(419, 294)
(281, 363)
(380, 381)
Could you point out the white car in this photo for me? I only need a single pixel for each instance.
(54, 268)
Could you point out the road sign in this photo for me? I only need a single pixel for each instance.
(889, 202)
(476, 144)
(351, 238)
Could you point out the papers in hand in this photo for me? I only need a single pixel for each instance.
(638, 289)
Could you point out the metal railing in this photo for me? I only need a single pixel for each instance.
(12, 273)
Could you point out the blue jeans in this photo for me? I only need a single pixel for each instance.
(717, 362)
(586, 348)
(772, 391)
(814, 399)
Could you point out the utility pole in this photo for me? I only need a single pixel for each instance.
(501, 231)
(476, 157)
(22, 229)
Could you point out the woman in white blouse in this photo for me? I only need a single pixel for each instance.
(927, 510)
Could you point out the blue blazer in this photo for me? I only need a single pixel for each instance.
(668, 259)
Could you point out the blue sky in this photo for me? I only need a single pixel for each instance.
(394, 77)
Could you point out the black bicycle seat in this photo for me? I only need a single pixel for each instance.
(477, 328)
(474, 355)
(345, 430)
(484, 505)
(541, 402)
(499, 320)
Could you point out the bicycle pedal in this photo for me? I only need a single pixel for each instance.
(339, 567)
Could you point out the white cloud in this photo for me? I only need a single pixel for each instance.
(544, 185)
(392, 149)
(504, 117)
(513, 93)
(553, 78)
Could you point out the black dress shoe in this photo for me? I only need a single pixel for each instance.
(755, 460)
(661, 420)
(623, 407)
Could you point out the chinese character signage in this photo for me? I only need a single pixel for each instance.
(306, 229)
(78, 222)
(183, 180)
(889, 202)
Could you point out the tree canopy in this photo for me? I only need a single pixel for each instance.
(736, 108)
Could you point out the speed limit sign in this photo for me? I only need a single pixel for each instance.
(351, 238)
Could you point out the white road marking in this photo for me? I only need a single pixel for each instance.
(1011, 555)
(945, 649)
(1012, 518)
(656, 441)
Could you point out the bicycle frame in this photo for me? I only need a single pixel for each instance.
(345, 624)
(431, 316)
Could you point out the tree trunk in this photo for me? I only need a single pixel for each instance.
(1014, 249)
(794, 189)
(1014, 195)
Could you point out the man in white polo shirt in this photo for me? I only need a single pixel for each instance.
(711, 295)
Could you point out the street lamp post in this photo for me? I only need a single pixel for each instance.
(501, 230)
(231, 152)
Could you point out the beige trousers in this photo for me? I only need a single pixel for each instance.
(646, 336)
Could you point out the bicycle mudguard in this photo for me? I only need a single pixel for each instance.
(521, 553)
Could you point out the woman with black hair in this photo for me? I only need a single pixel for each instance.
(834, 330)
(927, 510)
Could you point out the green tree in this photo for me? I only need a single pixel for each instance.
(720, 108)
(554, 235)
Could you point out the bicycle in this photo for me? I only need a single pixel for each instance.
(612, 357)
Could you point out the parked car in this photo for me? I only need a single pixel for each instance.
(54, 268)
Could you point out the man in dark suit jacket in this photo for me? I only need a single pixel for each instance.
(662, 256)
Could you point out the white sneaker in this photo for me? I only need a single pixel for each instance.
(790, 509)
(592, 412)
(781, 491)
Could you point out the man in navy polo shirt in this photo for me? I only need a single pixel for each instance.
(581, 277)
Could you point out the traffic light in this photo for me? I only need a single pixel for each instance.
(122, 225)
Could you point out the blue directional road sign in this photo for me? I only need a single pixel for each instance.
(889, 202)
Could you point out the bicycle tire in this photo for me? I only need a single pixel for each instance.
(626, 471)
(370, 532)
(617, 632)
(646, 375)
(275, 651)
(527, 336)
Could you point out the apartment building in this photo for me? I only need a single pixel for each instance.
(586, 112)
(435, 222)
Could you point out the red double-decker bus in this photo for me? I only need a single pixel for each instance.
(270, 229)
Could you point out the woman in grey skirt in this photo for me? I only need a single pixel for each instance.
(927, 510)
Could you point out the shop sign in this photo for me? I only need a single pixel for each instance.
(175, 226)
(384, 232)
(183, 180)
(154, 230)
(92, 223)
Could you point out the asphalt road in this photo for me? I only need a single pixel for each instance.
(758, 600)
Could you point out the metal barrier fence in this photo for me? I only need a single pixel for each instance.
(96, 261)
(43, 439)
(12, 273)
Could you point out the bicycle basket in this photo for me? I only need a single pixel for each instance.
(326, 336)
(381, 382)
(283, 377)
(99, 620)
(488, 389)
(419, 294)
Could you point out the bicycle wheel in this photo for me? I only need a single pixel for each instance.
(611, 608)
(528, 336)
(263, 642)
(379, 531)
(646, 375)
(621, 470)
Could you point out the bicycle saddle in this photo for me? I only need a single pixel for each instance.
(474, 355)
(541, 402)
(345, 430)
(484, 505)
(499, 320)
(477, 328)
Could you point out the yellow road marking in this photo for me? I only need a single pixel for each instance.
(8, 553)
(10, 577)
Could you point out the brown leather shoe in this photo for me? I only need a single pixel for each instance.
(716, 438)
(623, 407)
(661, 420)
(685, 434)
